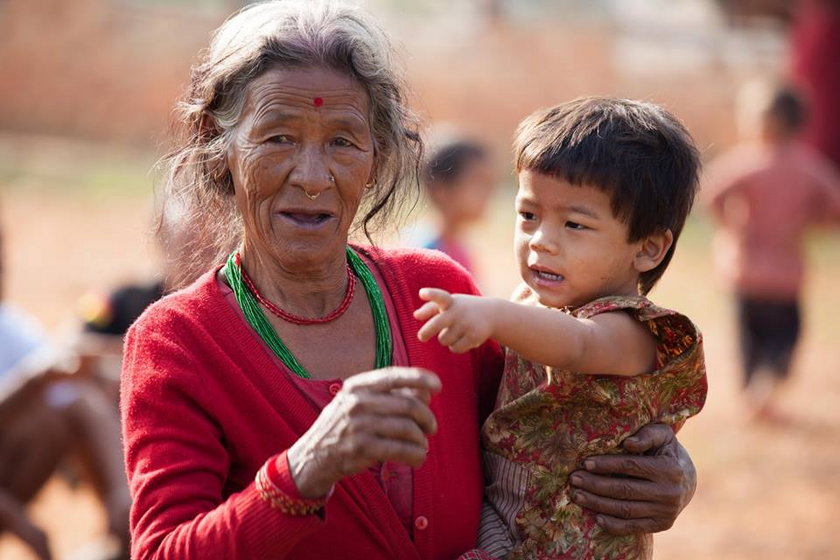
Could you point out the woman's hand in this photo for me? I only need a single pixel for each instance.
(639, 493)
(461, 322)
(377, 416)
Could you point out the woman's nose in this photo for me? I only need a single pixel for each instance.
(311, 171)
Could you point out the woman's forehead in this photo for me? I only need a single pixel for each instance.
(315, 88)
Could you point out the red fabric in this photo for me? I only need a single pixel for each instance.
(816, 43)
(396, 479)
(204, 406)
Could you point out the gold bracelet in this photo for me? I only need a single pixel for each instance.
(281, 501)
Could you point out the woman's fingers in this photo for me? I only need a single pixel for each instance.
(649, 438)
(387, 379)
(653, 468)
(378, 449)
(621, 509)
(623, 488)
(398, 429)
(619, 526)
(397, 404)
(625, 517)
(380, 415)
(630, 494)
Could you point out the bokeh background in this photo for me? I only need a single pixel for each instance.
(86, 89)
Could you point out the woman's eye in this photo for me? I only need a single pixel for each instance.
(342, 142)
(575, 225)
(280, 139)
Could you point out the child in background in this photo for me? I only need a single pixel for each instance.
(459, 180)
(605, 186)
(47, 416)
(763, 196)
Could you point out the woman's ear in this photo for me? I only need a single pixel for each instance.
(652, 250)
(207, 128)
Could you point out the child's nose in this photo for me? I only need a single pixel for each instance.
(541, 242)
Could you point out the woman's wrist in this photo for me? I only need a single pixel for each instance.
(308, 477)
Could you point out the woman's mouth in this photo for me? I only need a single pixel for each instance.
(306, 219)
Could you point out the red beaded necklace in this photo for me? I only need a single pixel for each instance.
(297, 319)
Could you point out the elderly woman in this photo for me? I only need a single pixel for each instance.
(281, 405)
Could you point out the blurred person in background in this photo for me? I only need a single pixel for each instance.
(763, 195)
(813, 68)
(49, 415)
(270, 408)
(459, 180)
(106, 317)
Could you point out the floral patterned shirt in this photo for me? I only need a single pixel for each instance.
(547, 421)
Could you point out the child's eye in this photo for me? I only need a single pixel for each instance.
(528, 216)
(575, 225)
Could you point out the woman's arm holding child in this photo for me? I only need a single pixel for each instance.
(610, 343)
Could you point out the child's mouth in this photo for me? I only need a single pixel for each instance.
(546, 276)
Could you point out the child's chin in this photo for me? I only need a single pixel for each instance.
(551, 300)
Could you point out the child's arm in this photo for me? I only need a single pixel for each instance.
(610, 343)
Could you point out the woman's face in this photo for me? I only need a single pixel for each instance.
(303, 130)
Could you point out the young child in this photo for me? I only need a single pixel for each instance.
(764, 195)
(459, 180)
(605, 186)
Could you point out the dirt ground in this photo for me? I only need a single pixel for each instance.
(764, 492)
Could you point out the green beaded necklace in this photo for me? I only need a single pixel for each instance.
(258, 321)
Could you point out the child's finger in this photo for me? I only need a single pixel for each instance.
(427, 311)
(450, 335)
(463, 344)
(432, 327)
(440, 297)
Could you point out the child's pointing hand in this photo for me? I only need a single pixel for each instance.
(461, 322)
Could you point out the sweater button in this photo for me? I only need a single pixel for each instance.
(335, 388)
(421, 523)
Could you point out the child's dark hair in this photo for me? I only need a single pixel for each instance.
(444, 165)
(788, 107)
(636, 152)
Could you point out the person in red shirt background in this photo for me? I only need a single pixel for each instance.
(764, 195)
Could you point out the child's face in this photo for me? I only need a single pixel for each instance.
(570, 247)
(466, 201)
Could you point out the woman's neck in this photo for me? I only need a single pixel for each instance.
(309, 290)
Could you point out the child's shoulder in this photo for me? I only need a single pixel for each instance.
(676, 334)
(639, 306)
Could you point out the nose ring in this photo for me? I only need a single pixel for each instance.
(331, 179)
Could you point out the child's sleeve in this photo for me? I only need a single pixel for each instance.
(679, 386)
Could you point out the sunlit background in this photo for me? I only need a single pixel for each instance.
(86, 88)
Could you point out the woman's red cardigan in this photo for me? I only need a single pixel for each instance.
(204, 406)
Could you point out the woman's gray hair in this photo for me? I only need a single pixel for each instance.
(198, 221)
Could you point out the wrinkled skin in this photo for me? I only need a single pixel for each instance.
(639, 493)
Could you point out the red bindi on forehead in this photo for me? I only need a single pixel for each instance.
(318, 101)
